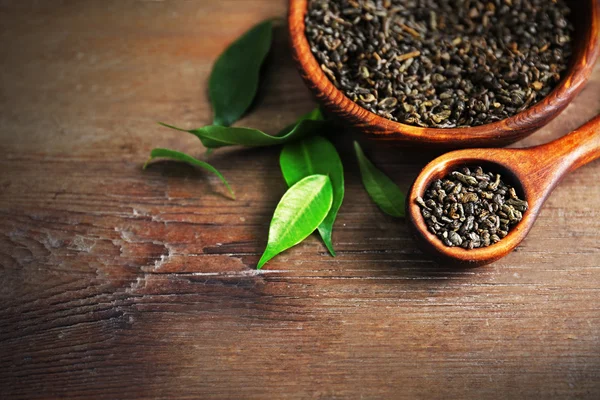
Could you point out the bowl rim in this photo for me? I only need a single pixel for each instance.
(505, 131)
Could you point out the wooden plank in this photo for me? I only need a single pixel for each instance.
(123, 283)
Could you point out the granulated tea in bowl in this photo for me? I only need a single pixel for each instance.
(445, 73)
(441, 63)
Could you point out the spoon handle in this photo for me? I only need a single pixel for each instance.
(573, 150)
(544, 166)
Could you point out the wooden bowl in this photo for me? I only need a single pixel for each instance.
(586, 48)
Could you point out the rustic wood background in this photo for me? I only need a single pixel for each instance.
(122, 283)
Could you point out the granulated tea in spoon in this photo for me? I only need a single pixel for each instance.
(471, 208)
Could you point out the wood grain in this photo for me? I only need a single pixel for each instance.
(122, 283)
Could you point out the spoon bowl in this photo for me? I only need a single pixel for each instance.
(533, 172)
(586, 48)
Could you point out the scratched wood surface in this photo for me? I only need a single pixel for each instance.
(122, 283)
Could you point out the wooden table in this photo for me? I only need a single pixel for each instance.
(122, 283)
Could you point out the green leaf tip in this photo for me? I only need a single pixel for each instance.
(179, 156)
(173, 127)
(299, 212)
(382, 190)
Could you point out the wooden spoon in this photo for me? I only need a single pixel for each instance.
(534, 172)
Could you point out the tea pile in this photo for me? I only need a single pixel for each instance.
(471, 209)
(441, 63)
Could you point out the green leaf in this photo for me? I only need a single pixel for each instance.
(234, 79)
(314, 115)
(316, 155)
(178, 156)
(215, 136)
(384, 192)
(299, 212)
